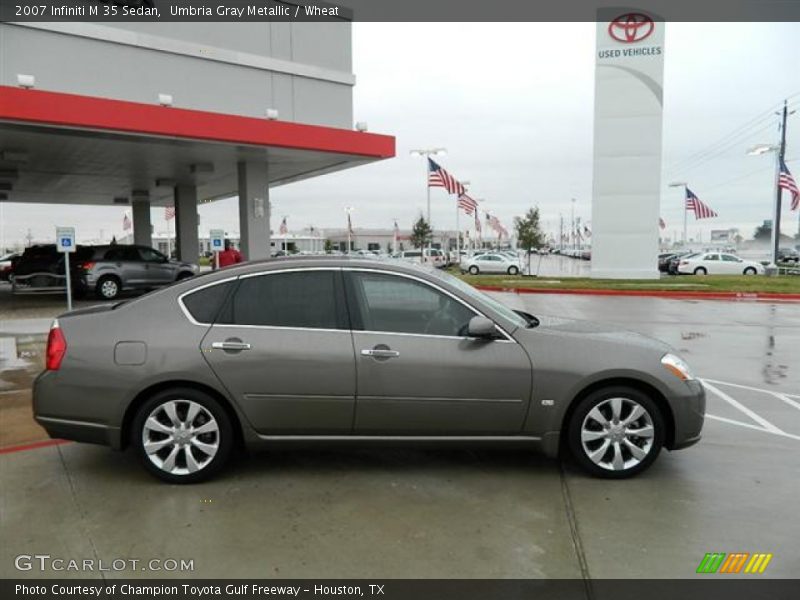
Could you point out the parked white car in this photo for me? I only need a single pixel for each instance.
(491, 263)
(434, 256)
(717, 263)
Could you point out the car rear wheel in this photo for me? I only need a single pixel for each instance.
(182, 435)
(474, 270)
(108, 288)
(616, 432)
(701, 271)
(513, 270)
(750, 271)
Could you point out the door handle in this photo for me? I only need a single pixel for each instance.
(230, 346)
(380, 353)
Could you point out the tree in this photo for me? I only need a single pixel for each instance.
(421, 233)
(763, 232)
(328, 246)
(529, 232)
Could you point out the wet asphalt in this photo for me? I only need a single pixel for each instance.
(414, 513)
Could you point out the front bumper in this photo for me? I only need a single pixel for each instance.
(688, 411)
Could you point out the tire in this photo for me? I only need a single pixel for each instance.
(617, 461)
(206, 460)
(701, 271)
(513, 270)
(473, 270)
(108, 288)
(750, 271)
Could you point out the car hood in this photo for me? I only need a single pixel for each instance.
(598, 332)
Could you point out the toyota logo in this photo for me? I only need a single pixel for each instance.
(631, 27)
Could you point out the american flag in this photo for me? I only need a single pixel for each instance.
(349, 224)
(169, 213)
(477, 223)
(495, 224)
(467, 204)
(396, 228)
(126, 222)
(438, 177)
(701, 211)
(787, 182)
(661, 223)
(284, 229)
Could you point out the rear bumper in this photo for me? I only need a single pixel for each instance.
(60, 409)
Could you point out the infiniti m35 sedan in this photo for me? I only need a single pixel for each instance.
(329, 350)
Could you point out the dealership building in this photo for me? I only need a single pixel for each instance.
(145, 115)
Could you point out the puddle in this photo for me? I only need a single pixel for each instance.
(21, 359)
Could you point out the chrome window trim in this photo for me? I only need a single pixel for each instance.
(477, 312)
(185, 310)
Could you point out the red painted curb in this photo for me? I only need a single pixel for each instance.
(32, 446)
(674, 295)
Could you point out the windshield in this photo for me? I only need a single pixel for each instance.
(470, 291)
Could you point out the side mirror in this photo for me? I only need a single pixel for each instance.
(481, 327)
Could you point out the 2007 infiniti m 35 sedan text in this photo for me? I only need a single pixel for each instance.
(359, 351)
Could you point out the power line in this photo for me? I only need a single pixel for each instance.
(756, 124)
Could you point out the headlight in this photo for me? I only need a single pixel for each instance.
(677, 366)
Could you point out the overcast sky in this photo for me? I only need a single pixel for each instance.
(513, 105)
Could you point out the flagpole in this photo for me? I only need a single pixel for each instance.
(685, 215)
(458, 235)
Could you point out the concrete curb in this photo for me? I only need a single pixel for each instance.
(669, 294)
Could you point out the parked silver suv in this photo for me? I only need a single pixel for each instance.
(114, 268)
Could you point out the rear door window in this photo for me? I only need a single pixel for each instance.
(302, 299)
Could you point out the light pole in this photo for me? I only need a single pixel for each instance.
(426, 153)
(758, 150)
(348, 210)
(572, 225)
(684, 185)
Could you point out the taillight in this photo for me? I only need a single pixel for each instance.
(56, 347)
(86, 266)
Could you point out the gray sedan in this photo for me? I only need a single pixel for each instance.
(320, 350)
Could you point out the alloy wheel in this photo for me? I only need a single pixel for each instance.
(109, 288)
(617, 434)
(180, 437)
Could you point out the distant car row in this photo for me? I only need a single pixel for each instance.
(707, 263)
(103, 270)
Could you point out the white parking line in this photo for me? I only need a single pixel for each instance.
(791, 436)
(739, 406)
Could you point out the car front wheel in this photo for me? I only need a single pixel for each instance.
(616, 432)
(750, 271)
(474, 270)
(182, 435)
(513, 270)
(700, 271)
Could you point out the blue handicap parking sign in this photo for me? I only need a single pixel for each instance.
(66, 242)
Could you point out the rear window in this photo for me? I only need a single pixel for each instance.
(204, 304)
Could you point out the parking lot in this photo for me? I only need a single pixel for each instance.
(439, 513)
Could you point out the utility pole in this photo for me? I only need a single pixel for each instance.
(776, 222)
(560, 232)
